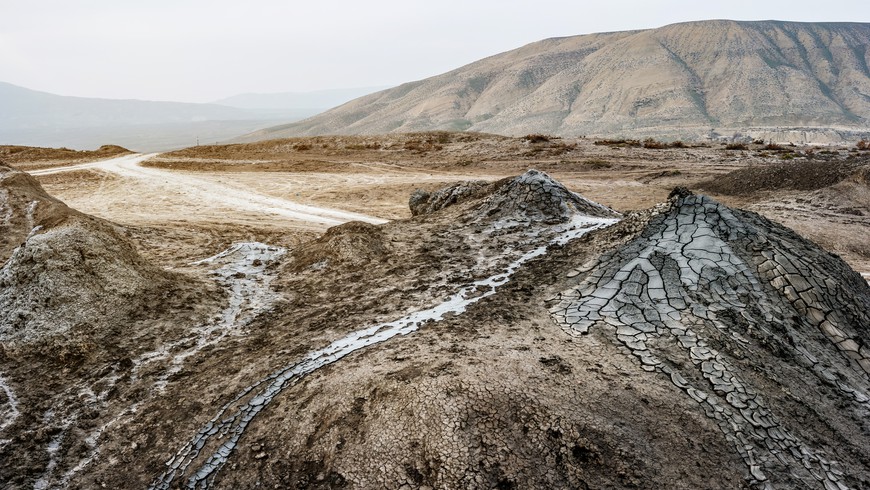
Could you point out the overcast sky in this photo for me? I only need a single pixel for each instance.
(198, 51)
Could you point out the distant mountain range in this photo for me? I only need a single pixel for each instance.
(693, 79)
(29, 117)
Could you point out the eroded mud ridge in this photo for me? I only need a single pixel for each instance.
(724, 302)
(198, 462)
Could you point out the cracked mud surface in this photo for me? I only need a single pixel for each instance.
(686, 297)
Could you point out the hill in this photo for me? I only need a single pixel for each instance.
(805, 82)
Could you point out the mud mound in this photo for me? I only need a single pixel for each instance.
(735, 310)
(24, 205)
(697, 347)
(71, 277)
(422, 202)
(66, 272)
(350, 245)
(803, 176)
(535, 196)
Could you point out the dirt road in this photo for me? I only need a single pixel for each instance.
(206, 192)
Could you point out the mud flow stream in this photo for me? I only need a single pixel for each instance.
(204, 455)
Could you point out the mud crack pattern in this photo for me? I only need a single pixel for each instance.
(701, 272)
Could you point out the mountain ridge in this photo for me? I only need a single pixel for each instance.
(682, 80)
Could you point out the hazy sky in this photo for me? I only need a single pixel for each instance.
(199, 51)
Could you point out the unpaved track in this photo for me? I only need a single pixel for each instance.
(204, 191)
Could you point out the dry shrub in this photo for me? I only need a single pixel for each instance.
(654, 144)
(537, 138)
(661, 145)
(618, 143)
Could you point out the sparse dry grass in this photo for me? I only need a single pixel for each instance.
(32, 158)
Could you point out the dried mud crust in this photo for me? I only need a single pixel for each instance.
(428, 259)
(487, 407)
(727, 305)
(494, 398)
(436, 409)
(77, 305)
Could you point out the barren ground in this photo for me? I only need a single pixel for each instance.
(190, 202)
(484, 393)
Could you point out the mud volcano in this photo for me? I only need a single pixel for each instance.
(67, 274)
(737, 310)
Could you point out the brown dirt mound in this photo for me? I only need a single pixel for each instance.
(422, 202)
(66, 273)
(24, 205)
(352, 244)
(805, 176)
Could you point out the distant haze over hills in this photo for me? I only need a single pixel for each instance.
(689, 80)
(29, 117)
(319, 99)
